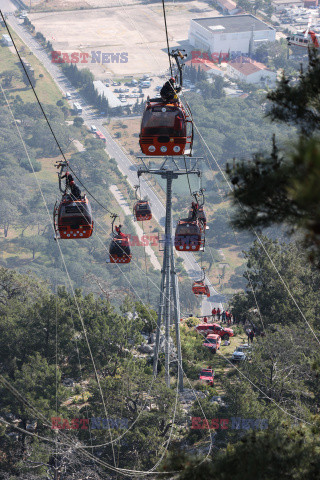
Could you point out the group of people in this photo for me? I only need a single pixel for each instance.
(224, 315)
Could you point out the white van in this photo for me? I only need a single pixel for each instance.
(93, 129)
(68, 95)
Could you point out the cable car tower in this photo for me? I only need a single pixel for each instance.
(169, 170)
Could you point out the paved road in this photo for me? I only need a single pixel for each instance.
(7, 7)
(114, 150)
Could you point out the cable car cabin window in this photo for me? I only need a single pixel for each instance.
(74, 215)
(143, 208)
(170, 122)
(119, 249)
(188, 230)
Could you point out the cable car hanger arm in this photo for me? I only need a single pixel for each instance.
(177, 55)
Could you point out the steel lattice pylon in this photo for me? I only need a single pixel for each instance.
(169, 303)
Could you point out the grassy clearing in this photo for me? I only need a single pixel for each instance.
(46, 89)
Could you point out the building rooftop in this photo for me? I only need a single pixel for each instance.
(228, 4)
(247, 67)
(286, 2)
(205, 65)
(232, 24)
(110, 96)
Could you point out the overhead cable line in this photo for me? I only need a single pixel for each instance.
(47, 120)
(261, 242)
(64, 263)
(167, 37)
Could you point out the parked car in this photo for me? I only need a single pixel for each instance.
(239, 354)
(213, 342)
(93, 129)
(207, 375)
(68, 95)
(206, 328)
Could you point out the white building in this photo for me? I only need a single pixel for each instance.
(250, 71)
(107, 93)
(6, 40)
(233, 33)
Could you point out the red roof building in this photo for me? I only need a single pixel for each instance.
(247, 70)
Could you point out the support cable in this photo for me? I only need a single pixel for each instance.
(167, 37)
(45, 116)
(284, 283)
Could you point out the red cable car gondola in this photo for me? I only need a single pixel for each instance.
(119, 251)
(142, 211)
(166, 129)
(200, 288)
(166, 126)
(188, 236)
(72, 217)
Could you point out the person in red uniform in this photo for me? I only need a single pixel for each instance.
(214, 313)
(119, 233)
(169, 91)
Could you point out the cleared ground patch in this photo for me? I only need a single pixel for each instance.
(48, 5)
(137, 30)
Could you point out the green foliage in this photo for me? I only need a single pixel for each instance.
(78, 122)
(275, 304)
(42, 341)
(212, 90)
(192, 322)
(285, 453)
(231, 126)
(286, 179)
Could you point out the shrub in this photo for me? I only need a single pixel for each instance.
(78, 121)
(192, 322)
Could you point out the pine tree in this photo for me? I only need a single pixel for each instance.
(282, 188)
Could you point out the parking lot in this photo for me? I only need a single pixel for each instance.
(297, 18)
